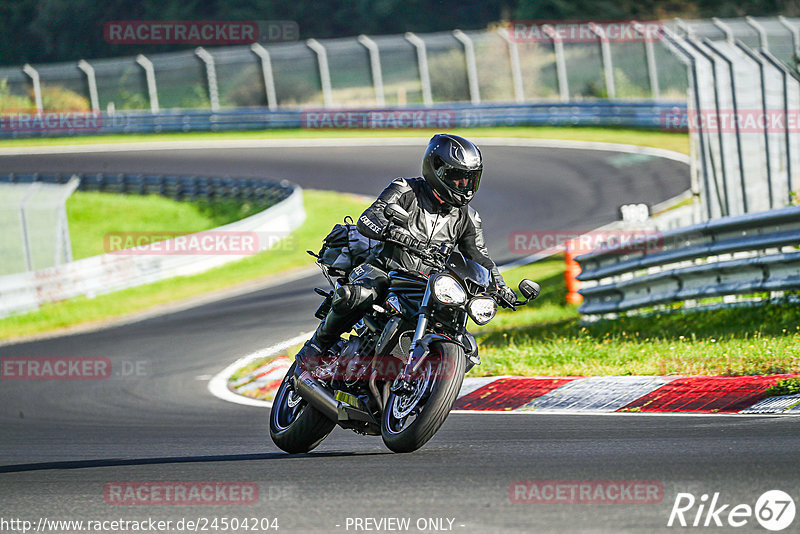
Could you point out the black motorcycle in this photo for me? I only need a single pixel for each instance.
(400, 373)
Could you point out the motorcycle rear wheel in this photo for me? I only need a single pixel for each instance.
(294, 425)
(409, 421)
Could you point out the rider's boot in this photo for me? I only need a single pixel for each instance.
(326, 336)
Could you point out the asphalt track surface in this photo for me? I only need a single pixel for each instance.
(153, 420)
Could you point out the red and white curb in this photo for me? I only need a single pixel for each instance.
(538, 395)
(267, 376)
(645, 394)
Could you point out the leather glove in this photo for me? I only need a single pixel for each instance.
(507, 294)
(402, 235)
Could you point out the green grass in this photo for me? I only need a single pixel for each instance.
(676, 141)
(787, 386)
(547, 338)
(93, 215)
(329, 208)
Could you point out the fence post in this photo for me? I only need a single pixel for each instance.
(266, 72)
(63, 252)
(760, 62)
(422, 63)
(37, 87)
(211, 76)
(795, 34)
(692, 64)
(724, 28)
(26, 243)
(682, 25)
(735, 102)
(472, 67)
(92, 82)
(725, 208)
(561, 64)
(650, 57)
(324, 72)
(516, 70)
(375, 67)
(605, 53)
(762, 33)
(150, 75)
(785, 75)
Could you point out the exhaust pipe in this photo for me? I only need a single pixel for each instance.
(316, 395)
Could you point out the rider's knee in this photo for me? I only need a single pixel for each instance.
(351, 297)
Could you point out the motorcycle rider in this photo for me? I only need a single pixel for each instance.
(437, 204)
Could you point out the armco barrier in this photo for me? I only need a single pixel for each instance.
(639, 114)
(111, 272)
(728, 256)
(260, 192)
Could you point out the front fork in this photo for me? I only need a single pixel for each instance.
(402, 384)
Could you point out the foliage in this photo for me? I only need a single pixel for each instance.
(787, 386)
(62, 99)
(67, 30)
(9, 102)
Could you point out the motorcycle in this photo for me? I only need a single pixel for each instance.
(399, 375)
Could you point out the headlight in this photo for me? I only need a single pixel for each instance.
(448, 291)
(482, 309)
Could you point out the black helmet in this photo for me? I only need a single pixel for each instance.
(452, 166)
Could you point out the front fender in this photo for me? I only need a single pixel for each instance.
(422, 350)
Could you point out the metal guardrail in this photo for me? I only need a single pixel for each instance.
(728, 256)
(260, 192)
(639, 114)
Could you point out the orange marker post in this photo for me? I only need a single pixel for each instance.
(572, 271)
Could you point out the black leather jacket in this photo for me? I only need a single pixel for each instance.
(430, 222)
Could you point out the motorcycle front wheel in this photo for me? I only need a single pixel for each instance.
(411, 419)
(294, 425)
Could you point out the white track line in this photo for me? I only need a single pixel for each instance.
(334, 142)
(625, 414)
(218, 385)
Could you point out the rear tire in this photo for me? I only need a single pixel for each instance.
(402, 434)
(294, 425)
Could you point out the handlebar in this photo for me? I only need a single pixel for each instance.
(502, 302)
(430, 257)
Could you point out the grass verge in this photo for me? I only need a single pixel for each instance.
(547, 338)
(290, 253)
(676, 141)
(92, 216)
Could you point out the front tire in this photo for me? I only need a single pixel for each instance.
(294, 425)
(409, 421)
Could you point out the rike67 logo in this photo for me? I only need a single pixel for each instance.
(774, 510)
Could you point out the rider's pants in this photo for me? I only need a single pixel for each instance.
(367, 284)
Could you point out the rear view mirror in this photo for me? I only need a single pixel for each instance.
(529, 289)
(396, 214)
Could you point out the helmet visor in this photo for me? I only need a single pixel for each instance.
(461, 181)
